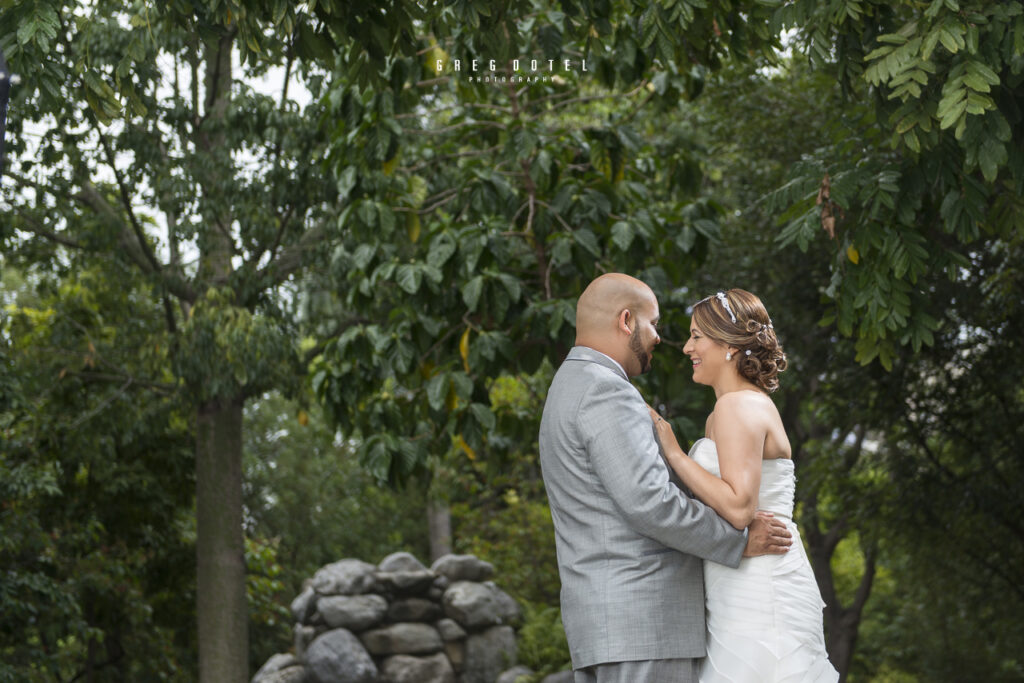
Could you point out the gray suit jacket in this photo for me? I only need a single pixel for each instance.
(629, 541)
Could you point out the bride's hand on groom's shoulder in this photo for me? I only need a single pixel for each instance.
(663, 429)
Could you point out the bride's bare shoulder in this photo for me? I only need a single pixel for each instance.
(745, 399)
(744, 407)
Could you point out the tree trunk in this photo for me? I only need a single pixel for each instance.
(842, 639)
(221, 609)
(842, 624)
(439, 521)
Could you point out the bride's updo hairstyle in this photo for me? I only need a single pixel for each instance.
(738, 318)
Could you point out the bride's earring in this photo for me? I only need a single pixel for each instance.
(728, 355)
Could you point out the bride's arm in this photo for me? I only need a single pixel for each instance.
(740, 444)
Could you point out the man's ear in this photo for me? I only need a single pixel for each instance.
(623, 322)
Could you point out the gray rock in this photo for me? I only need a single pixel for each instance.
(434, 593)
(406, 669)
(415, 581)
(560, 677)
(456, 652)
(512, 674)
(414, 609)
(475, 604)
(403, 639)
(488, 654)
(463, 568)
(291, 674)
(338, 657)
(345, 577)
(508, 608)
(401, 562)
(450, 630)
(304, 605)
(354, 612)
(303, 636)
(273, 665)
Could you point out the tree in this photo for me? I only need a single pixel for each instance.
(445, 226)
(476, 211)
(844, 421)
(906, 186)
(96, 473)
(147, 120)
(147, 124)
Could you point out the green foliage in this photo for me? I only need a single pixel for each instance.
(498, 506)
(933, 90)
(430, 234)
(95, 479)
(141, 151)
(309, 503)
(269, 617)
(475, 214)
(541, 641)
(304, 491)
(517, 537)
(865, 501)
(226, 349)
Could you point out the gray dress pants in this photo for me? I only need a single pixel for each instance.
(646, 671)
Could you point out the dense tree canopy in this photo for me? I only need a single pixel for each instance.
(410, 240)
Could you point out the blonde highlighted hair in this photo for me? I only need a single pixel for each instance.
(738, 318)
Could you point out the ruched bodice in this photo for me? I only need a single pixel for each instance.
(764, 617)
(778, 478)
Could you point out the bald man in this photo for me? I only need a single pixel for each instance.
(629, 541)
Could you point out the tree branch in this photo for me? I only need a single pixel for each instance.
(126, 199)
(35, 228)
(292, 258)
(445, 197)
(457, 126)
(174, 282)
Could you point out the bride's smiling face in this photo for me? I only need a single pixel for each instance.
(707, 356)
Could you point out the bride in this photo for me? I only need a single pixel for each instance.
(764, 617)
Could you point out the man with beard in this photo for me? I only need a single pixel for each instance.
(629, 541)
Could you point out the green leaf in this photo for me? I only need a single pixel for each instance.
(346, 181)
(27, 31)
(483, 415)
(364, 255)
(512, 285)
(622, 235)
(387, 219)
(471, 292)
(367, 212)
(948, 41)
(409, 276)
(463, 385)
(588, 240)
(441, 249)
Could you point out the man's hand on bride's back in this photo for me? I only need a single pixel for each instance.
(767, 536)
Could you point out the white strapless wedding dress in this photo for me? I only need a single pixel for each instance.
(764, 617)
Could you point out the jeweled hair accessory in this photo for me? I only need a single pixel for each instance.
(725, 303)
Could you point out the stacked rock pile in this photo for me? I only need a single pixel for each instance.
(399, 622)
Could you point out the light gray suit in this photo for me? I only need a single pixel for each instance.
(629, 541)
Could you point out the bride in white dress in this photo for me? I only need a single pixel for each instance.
(764, 617)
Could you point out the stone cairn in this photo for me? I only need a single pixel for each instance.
(399, 622)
